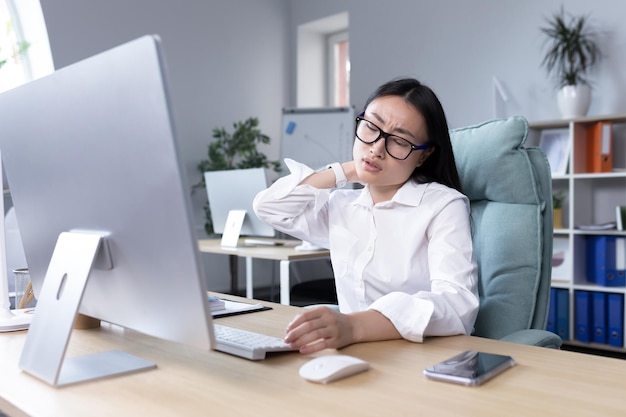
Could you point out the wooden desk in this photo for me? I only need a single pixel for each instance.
(191, 382)
(285, 254)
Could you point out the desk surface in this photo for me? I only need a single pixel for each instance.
(274, 252)
(191, 382)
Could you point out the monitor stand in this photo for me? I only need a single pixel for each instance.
(43, 356)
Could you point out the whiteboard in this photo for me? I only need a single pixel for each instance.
(317, 136)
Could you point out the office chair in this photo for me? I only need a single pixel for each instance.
(510, 190)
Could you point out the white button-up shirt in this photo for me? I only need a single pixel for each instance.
(410, 258)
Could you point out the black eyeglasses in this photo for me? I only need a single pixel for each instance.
(396, 147)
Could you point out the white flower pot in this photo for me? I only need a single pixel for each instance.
(574, 101)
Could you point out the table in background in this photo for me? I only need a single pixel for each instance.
(285, 253)
(191, 382)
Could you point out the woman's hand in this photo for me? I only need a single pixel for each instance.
(319, 328)
(323, 328)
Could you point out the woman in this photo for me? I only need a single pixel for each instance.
(400, 247)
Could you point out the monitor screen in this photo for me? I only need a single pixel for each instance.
(235, 190)
(92, 148)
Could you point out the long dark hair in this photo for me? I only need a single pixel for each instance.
(440, 166)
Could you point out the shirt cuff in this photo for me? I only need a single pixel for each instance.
(409, 315)
(298, 172)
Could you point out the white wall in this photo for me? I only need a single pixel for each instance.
(457, 46)
(227, 61)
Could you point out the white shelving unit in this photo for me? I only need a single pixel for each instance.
(590, 198)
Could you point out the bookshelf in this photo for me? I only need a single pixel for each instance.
(590, 199)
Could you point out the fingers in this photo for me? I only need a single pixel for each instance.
(305, 327)
(314, 347)
(314, 330)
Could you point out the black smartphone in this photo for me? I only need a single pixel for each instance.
(469, 368)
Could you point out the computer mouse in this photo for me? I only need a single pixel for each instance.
(329, 368)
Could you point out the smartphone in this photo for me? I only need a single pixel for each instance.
(469, 368)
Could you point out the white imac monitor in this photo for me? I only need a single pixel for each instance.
(235, 190)
(93, 165)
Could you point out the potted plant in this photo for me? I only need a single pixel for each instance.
(557, 207)
(237, 150)
(572, 50)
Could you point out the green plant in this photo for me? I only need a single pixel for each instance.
(557, 199)
(237, 150)
(572, 48)
(17, 49)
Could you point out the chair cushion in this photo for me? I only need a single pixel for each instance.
(507, 225)
(489, 151)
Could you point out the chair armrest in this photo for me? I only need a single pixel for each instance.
(535, 337)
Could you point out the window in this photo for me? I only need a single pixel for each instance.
(323, 64)
(24, 48)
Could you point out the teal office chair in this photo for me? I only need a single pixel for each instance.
(510, 190)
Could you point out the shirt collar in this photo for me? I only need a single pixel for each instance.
(410, 194)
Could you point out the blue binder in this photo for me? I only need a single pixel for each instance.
(562, 313)
(599, 317)
(595, 257)
(605, 258)
(620, 261)
(615, 319)
(551, 324)
(583, 316)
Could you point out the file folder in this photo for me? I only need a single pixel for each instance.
(615, 319)
(595, 257)
(599, 317)
(620, 262)
(551, 324)
(600, 147)
(606, 260)
(583, 316)
(562, 313)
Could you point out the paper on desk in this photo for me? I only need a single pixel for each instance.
(232, 308)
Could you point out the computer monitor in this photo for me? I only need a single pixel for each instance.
(235, 190)
(92, 162)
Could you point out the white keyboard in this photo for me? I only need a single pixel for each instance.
(247, 344)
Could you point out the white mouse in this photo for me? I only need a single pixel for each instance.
(329, 368)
